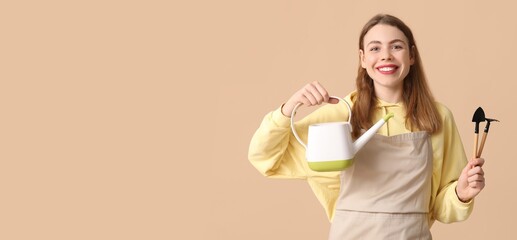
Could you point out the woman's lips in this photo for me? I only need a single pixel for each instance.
(387, 69)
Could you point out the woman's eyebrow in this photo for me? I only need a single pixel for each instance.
(398, 40)
(374, 42)
(391, 42)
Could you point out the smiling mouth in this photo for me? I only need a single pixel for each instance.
(387, 69)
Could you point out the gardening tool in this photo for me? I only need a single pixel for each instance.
(329, 145)
(485, 133)
(479, 116)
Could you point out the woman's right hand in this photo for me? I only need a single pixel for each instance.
(311, 94)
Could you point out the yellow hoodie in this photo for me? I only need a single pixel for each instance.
(275, 153)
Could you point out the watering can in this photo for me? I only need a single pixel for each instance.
(329, 145)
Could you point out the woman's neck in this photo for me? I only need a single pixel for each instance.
(388, 94)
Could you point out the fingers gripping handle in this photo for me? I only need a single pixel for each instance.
(299, 104)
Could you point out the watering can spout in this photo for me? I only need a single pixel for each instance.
(361, 141)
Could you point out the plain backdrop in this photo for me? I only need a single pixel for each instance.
(132, 119)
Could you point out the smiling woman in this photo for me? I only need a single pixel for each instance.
(387, 60)
(412, 172)
(387, 42)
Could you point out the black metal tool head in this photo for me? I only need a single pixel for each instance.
(488, 121)
(479, 116)
(491, 120)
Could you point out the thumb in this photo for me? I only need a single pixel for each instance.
(462, 182)
(464, 175)
(333, 100)
(467, 168)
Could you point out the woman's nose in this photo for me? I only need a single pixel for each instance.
(386, 55)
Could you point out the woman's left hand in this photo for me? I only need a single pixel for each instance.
(472, 180)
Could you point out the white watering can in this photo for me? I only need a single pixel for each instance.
(330, 146)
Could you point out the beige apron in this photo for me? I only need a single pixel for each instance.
(386, 193)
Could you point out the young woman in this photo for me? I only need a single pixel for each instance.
(413, 172)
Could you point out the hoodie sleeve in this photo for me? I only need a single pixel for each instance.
(449, 161)
(272, 150)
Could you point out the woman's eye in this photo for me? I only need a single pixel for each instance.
(397, 47)
(373, 49)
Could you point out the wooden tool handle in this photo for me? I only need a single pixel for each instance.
(475, 145)
(485, 134)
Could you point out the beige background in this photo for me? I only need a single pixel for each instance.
(131, 119)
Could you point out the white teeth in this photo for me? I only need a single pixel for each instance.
(386, 69)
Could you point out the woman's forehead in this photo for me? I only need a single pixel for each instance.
(382, 33)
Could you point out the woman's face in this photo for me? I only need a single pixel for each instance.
(386, 56)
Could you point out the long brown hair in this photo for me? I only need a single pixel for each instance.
(421, 112)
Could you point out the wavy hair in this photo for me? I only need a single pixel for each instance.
(421, 111)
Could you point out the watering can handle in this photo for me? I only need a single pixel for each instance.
(299, 104)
